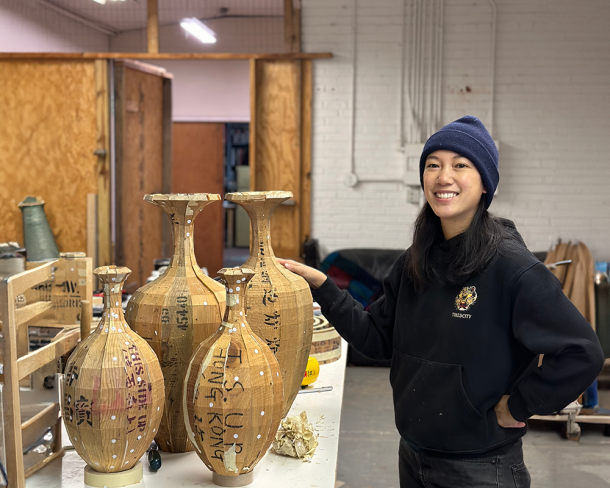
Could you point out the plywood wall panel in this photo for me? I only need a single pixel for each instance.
(198, 167)
(139, 171)
(275, 150)
(47, 141)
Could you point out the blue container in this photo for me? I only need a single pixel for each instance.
(590, 396)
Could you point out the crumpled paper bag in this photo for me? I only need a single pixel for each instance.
(296, 438)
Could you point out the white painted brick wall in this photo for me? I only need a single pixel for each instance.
(26, 26)
(551, 115)
(371, 214)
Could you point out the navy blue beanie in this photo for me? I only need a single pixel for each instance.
(469, 138)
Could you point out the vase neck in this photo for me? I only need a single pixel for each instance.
(113, 300)
(235, 280)
(235, 314)
(184, 244)
(112, 279)
(260, 222)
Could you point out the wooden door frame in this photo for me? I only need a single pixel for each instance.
(303, 95)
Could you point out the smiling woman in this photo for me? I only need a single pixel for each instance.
(465, 313)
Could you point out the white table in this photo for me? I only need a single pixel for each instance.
(187, 470)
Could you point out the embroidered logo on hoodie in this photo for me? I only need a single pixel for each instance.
(466, 299)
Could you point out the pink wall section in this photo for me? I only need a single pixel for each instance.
(27, 26)
(210, 91)
(217, 91)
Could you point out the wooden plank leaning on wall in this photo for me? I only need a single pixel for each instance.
(167, 244)
(102, 105)
(280, 135)
(306, 128)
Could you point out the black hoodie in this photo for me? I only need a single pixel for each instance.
(456, 349)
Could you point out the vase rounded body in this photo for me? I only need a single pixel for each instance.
(279, 303)
(177, 311)
(113, 392)
(233, 393)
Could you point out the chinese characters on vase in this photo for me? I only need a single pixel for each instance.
(177, 311)
(279, 303)
(113, 387)
(184, 376)
(233, 393)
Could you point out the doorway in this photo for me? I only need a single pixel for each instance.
(213, 157)
(237, 179)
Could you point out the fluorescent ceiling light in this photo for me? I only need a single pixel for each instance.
(103, 2)
(198, 29)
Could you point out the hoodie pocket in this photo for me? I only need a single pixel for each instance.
(431, 406)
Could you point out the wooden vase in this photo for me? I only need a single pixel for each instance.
(113, 390)
(280, 305)
(177, 311)
(233, 392)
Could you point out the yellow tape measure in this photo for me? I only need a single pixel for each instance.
(312, 371)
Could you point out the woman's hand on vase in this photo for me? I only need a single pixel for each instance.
(505, 419)
(312, 276)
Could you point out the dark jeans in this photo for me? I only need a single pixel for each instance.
(504, 471)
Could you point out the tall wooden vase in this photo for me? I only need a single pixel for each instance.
(177, 311)
(113, 389)
(233, 392)
(280, 306)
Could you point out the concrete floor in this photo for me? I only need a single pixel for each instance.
(368, 444)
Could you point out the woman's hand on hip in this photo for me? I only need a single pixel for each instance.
(505, 419)
(314, 278)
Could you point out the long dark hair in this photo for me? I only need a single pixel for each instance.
(484, 238)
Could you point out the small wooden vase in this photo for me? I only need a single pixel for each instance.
(233, 392)
(177, 311)
(113, 389)
(280, 305)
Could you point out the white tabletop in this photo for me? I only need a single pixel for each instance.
(187, 470)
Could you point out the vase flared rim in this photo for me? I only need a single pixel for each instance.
(237, 271)
(182, 197)
(111, 271)
(258, 196)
